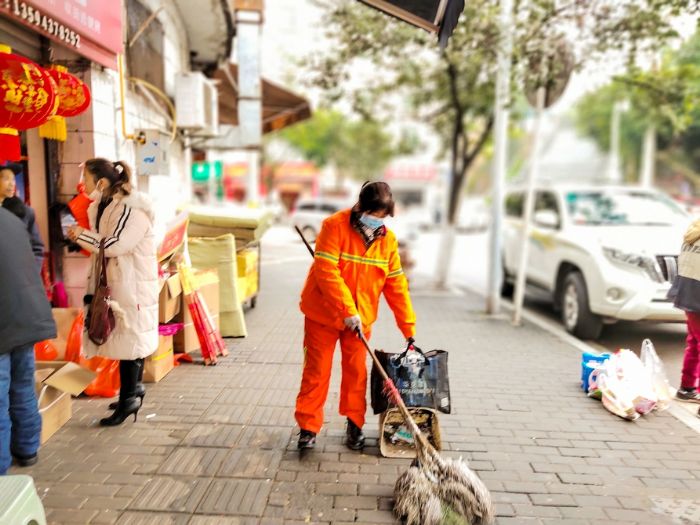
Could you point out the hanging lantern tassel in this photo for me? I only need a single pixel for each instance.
(74, 99)
(54, 129)
(9, 145)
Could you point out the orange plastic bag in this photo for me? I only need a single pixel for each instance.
(106, 384)
(74, 342)
(45, 351)
(78, 206)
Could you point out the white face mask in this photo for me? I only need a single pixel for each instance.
(96, 194)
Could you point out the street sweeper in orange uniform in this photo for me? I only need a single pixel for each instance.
(355, 261)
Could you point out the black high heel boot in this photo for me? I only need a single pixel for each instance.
(129, 393)
(124, 410)
(140, 393)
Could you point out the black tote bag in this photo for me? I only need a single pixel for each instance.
(421, 378)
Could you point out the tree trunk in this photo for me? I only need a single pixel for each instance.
(460, 164)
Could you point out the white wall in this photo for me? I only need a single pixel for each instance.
(98, 133)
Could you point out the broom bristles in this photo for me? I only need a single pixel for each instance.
(457, 496)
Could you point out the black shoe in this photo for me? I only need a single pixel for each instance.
(354, 438)
(140, 393)
(690, 395)
(26, 461)
(124, 410)
(307, 440)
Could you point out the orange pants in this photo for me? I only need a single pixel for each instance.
(319, 346)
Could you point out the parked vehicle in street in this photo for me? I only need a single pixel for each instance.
(309, 214)
(603, 253)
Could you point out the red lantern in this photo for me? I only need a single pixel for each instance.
(74, 98)
(27, 100)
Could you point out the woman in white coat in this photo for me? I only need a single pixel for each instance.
(124, 219)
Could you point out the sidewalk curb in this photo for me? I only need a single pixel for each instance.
(682, 415)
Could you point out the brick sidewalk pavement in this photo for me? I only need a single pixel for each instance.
(216, 445)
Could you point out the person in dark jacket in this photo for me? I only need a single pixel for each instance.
(26, 320)
(12, 203)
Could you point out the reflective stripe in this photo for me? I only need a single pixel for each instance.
(120, 227)
(328, 256)
(396, 273)
(364, 260)
(85, 238)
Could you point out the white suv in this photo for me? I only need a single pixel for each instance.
(603, 253)
(308, 215)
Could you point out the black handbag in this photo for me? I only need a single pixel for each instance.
(421, 378)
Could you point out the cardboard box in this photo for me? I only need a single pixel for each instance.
(160, 363)
(186, 339)
(247, 261)
(170, 299)
(396, 441)
(56, 382)
(64, 318)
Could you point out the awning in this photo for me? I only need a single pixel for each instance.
(209, 26)
(436, 16)
(281, 108)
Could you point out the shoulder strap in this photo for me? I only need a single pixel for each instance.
(101, 267)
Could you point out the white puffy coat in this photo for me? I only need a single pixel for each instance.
(132, 274)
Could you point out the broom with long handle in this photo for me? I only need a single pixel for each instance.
(435, 490)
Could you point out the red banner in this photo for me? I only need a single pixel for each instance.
(93, 28)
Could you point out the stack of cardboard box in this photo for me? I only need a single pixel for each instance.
(174, 308)
(56, 382)
(161, 362)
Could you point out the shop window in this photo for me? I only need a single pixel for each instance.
(145, 55)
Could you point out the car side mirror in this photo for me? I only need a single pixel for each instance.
(547, 219)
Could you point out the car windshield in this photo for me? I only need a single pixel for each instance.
(622, 208)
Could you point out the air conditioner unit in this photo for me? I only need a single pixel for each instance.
(197, 104)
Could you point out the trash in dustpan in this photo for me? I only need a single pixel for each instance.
(396, 440)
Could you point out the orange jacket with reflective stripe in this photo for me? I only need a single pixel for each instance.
(347, 279)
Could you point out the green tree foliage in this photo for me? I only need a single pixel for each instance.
(359, 148)
(666, 97)
(453, 91)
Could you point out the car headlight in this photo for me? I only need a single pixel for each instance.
(647, 264)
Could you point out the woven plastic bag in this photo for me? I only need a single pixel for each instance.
(591, 366)
(657, 372)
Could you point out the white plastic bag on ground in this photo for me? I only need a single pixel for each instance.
(657, 372)
(626, 386)
(616, 395)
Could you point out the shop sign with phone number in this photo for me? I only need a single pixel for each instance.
(50, 26)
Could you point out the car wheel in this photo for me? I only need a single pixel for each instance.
(575, 311)
(309, 234)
